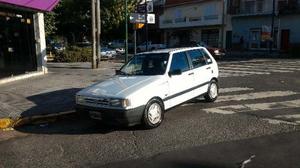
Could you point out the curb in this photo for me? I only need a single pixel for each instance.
(8, 123)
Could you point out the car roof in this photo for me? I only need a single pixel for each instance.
(170, 50)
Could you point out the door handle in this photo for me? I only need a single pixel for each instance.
(208, 68)
(191, 73)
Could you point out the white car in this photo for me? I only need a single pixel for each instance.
(149, 84)
(107, 53)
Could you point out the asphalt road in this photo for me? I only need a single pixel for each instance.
(257, 113)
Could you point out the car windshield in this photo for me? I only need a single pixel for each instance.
(146, 64)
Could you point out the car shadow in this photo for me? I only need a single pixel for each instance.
(70, 122)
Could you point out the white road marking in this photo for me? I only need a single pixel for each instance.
(253, 69)
(235, 89)
(277, 66)
(292, 116)
(254, 66)
(232, 109)
(275, 121)
(246, 72)
(256, 95)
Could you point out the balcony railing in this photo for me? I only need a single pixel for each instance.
(191, 21)
(288, 7)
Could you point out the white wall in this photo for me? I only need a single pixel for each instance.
(40, 39)
(208, 13)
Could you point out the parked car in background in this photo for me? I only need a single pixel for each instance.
(120, 51)
(107, 53)
(117, 44)
(59, 47)
(150, 84)
(217, 53)
(151, 46)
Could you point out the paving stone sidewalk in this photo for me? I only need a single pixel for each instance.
(51, 93)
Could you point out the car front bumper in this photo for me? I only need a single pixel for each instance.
(114, 116)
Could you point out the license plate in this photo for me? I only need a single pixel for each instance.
(95, 115)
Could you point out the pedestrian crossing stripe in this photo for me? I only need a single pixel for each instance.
(248, 68)
(235, 89)
(255, 95)
(233, 109)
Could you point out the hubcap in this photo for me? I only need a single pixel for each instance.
(213, 92)
(154, 113)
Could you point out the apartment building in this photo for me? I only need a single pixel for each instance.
(194, 20)
(252, 19)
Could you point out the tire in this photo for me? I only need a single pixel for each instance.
(153, 107)
(213, 91)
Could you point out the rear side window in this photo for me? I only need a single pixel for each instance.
(180, 61)
(197, 58)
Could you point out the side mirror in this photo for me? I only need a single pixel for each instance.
(209, 61)
(175, 72)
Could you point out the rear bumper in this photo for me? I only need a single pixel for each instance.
(114, 116)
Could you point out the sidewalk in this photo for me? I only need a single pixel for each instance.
(50, 94)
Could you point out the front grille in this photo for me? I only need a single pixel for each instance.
(97, 101)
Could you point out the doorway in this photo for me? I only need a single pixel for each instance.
(285, 40)
(17, 46)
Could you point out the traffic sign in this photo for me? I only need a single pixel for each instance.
(141, 8)
(140, 18)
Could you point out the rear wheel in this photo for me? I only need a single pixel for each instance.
(153, 114)
(213, 91)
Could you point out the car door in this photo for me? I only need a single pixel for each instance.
(180, 84)
(201, 70)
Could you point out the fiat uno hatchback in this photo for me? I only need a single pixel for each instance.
(149, 84)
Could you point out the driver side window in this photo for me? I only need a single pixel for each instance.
(180, 62)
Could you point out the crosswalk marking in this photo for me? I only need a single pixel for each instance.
(232, 109)
(292, 116)
(235, 89)
(255, 95)
(246, 72)
(249, 68)
(256, 67)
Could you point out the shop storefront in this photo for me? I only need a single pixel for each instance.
(17, 46)
(22, 37)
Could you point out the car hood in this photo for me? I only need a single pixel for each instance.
(119, 86)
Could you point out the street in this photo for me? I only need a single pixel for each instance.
(257, 113)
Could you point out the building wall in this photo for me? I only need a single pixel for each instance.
(292, 23)
(191, 15)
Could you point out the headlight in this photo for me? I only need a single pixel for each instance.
(79, 99)
(217, 52)
(120, 103)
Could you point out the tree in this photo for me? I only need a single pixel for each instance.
(72, 19)
(50, 23)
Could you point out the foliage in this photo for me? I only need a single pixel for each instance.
(50, 23)
(74, 54)
(72, 19)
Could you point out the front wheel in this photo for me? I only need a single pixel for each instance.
(213, 92)
(153, 114)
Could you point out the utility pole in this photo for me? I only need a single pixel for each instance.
(98, 37)
(126, 32)
(94, 59)
(146, 24)
(272, 27)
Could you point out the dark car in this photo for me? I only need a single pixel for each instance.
(217, 53)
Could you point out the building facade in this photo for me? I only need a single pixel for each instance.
(252, 24)
(194, 20)
(22, 37)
